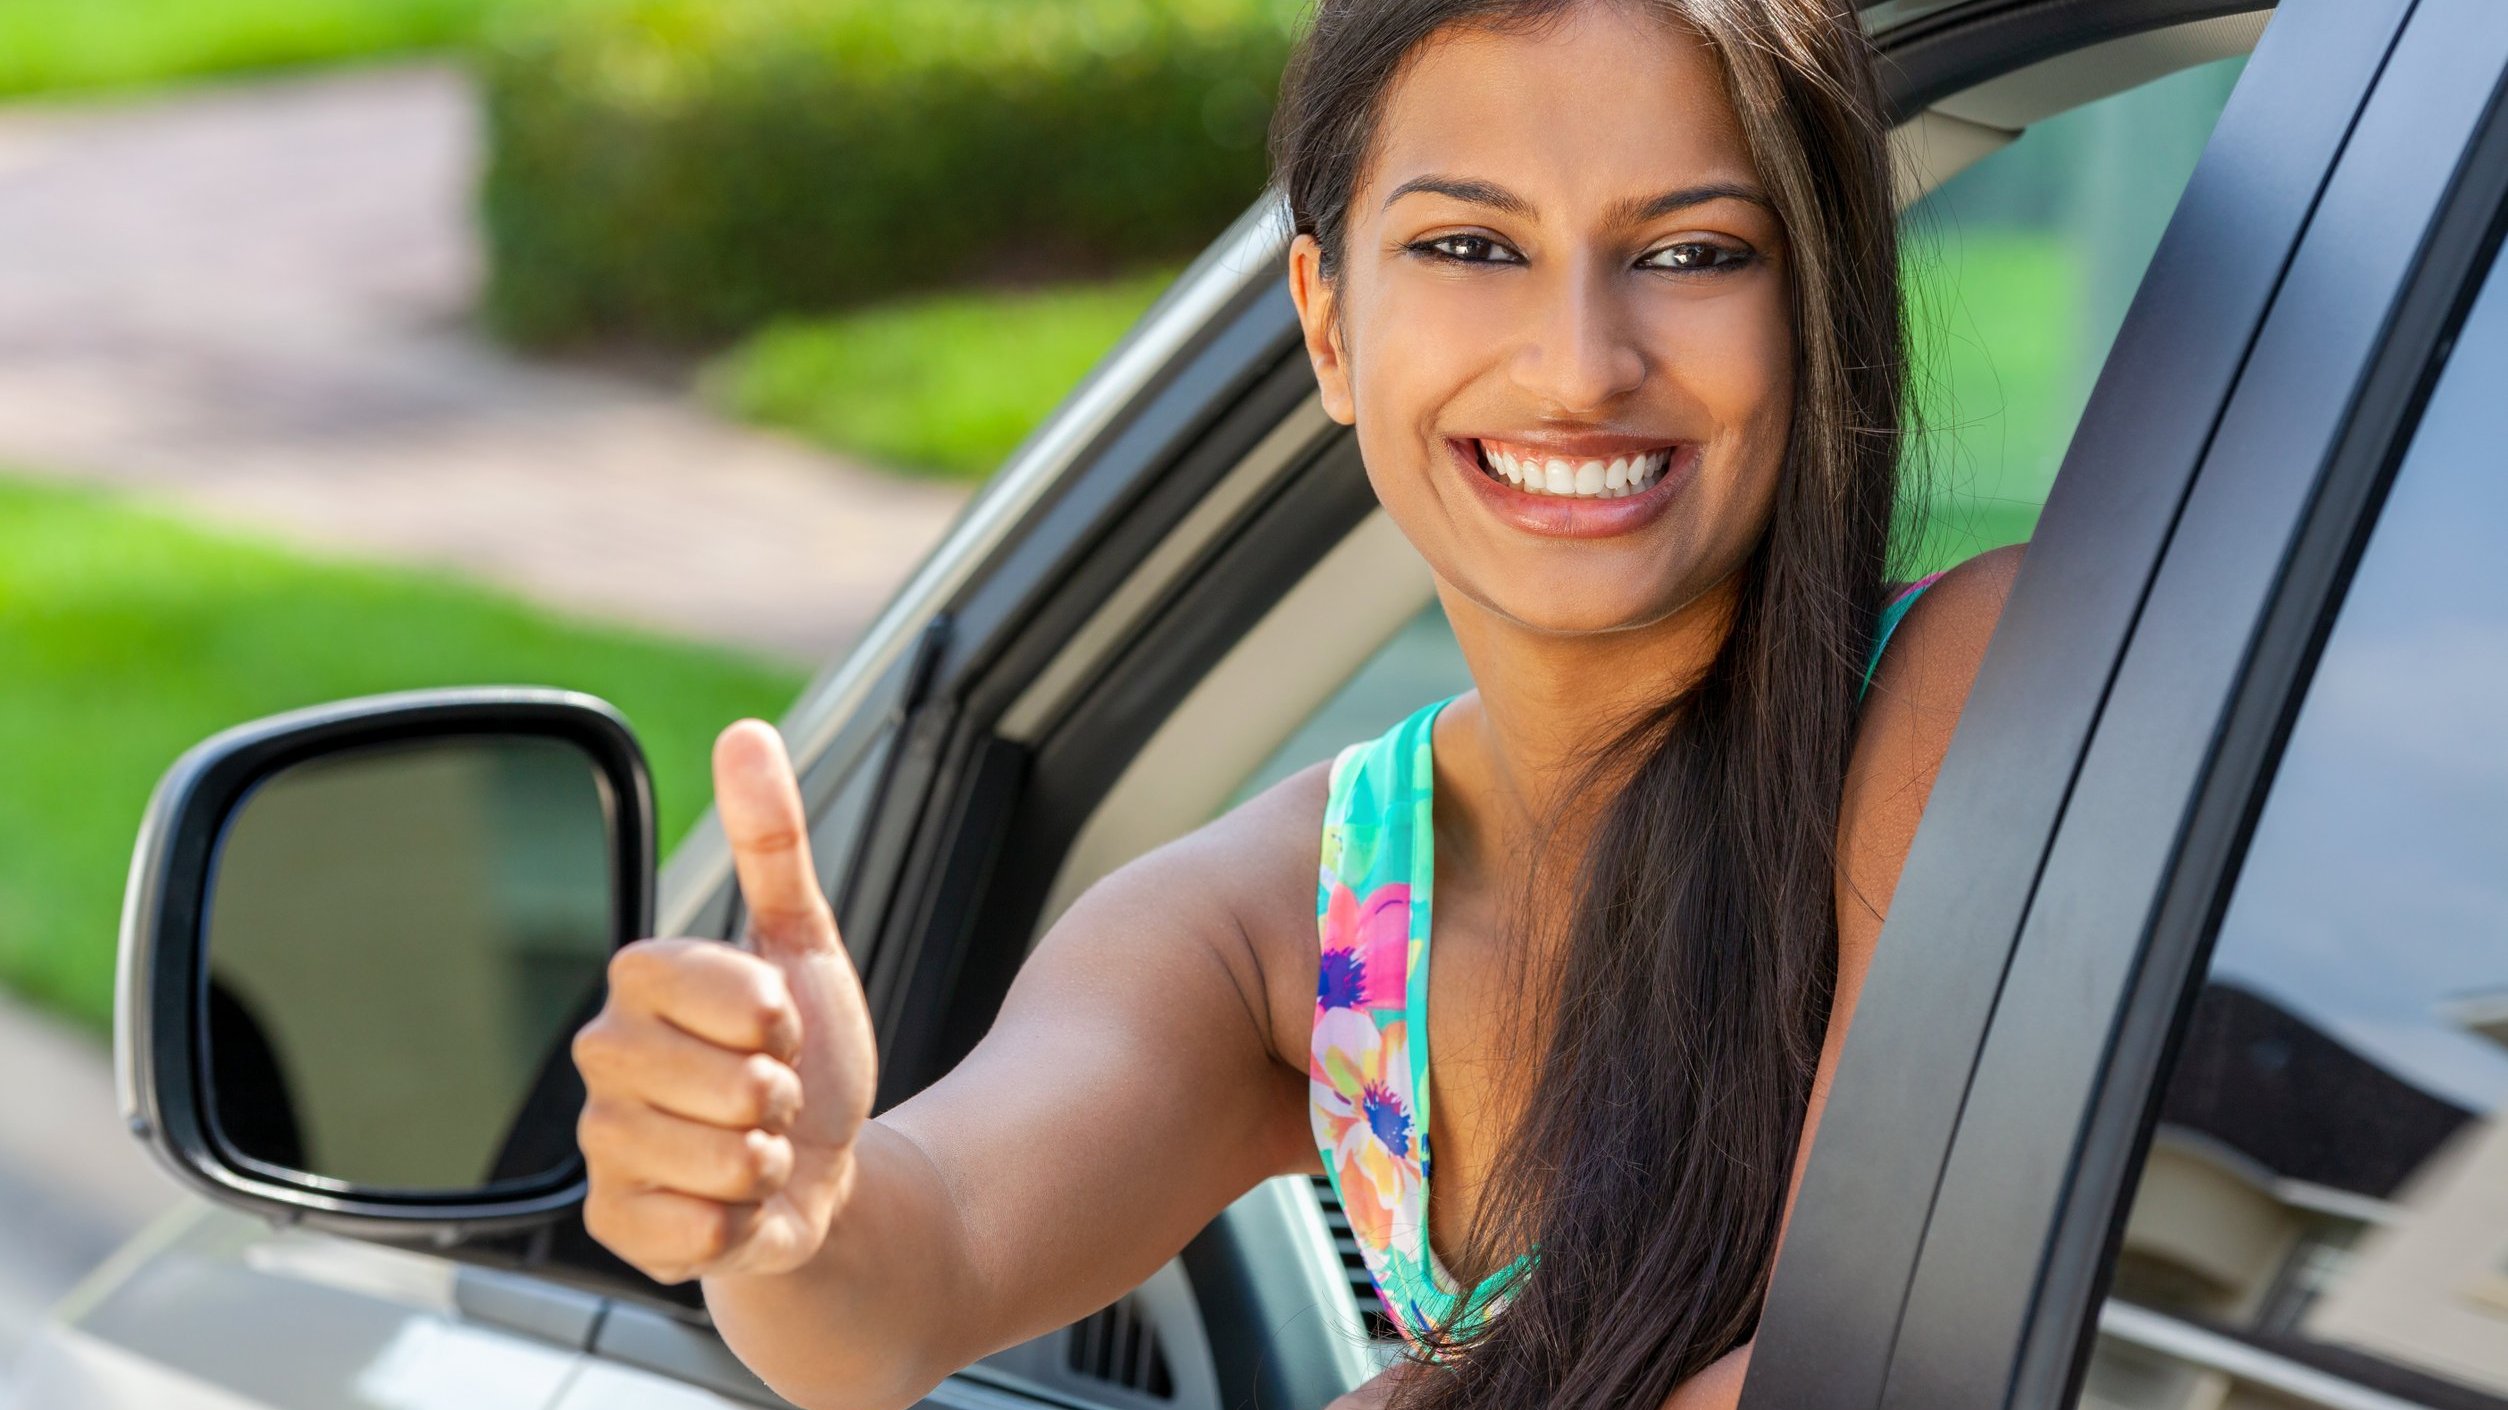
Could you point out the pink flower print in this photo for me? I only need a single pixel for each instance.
(1367, 947)
(1363, 1117)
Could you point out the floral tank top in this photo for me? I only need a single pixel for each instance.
(1368, 1062)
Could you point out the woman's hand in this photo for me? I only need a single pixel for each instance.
(1127, 1090)
(723, 1089)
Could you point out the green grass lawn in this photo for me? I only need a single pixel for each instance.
(946, 385)
(50, 46)
(127, 636)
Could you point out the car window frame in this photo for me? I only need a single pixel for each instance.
(1840, 1293)
(2018, 1247)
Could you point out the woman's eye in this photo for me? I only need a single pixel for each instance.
(1694, 255)
(1464, 249)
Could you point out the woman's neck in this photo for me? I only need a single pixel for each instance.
(1509, 752)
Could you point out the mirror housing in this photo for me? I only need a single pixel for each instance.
(408, 780)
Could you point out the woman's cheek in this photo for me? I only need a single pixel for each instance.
(1427, 350)
(1747, 387)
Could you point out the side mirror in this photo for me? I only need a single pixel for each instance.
(357, 943)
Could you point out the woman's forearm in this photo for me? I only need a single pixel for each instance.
(882, 1313)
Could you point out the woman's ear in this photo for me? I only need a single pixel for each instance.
(1318, 304)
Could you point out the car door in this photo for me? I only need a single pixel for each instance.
(2084, 943)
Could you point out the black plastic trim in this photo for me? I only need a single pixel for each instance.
(1951, 51)
(1832, 1323)
(1308, 511)
(2050, 1139)
(1006, 628)
(670, 1346)
(945, 990)
(1234, 390)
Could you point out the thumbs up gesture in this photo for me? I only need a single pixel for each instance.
(723, 1088)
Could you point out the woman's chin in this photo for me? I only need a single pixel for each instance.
(1591, 616)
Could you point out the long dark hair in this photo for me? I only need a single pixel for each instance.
(1653, 1137)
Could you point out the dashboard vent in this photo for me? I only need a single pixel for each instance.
(1119, 1346)
(1371, 1309)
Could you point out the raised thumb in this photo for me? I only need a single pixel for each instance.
(759, 803)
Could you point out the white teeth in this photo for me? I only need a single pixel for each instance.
(1615, 478)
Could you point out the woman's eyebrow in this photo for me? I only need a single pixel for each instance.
(1638, 212)
(1634, 211)
(1479, 193)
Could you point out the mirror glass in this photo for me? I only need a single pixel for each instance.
(401, 940)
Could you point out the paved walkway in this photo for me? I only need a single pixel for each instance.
(253, 301)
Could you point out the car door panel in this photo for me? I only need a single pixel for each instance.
(2050, 1129)
(1834, 1305)
(604, 1386)
(214, 1311)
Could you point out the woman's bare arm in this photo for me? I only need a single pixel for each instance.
(1129, 1089)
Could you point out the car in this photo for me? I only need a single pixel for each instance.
(2179, 1076)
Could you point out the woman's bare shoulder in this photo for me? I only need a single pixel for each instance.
(1908, 719)
(1240, 891)
(1259, 860)
(1196, 956)
(1933, 657)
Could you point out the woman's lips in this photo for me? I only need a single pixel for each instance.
(1575, 517)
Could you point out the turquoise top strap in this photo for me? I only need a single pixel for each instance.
(1891, 614)
(1368, 1064)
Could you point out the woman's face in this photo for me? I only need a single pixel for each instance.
(1563, 327)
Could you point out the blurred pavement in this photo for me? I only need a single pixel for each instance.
(253, 299)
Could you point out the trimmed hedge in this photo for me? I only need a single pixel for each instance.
(683, 170)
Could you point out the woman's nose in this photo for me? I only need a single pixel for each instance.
(1584, 354)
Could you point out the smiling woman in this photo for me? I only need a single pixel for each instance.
(1680, 261)
(1608, 290)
